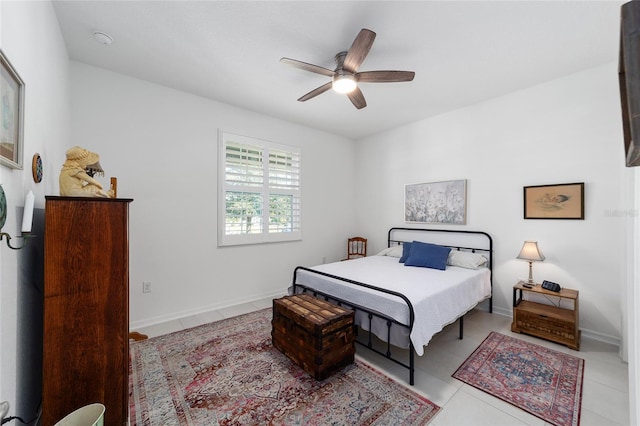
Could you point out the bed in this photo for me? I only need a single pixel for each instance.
(405, 294)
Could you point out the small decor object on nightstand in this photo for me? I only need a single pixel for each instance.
(551, 286)
(76, 176)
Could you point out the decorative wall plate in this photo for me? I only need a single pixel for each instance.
(36, 168)
(3, 208)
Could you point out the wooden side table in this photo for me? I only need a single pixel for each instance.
(547, 321)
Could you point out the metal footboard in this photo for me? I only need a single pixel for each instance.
(370, 314)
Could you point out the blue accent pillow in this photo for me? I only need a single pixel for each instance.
(427, 255)
(406, 249)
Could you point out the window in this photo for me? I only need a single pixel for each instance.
(259, 196)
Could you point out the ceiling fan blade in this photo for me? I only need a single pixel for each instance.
(315, 92)
(357, 98)
(307, 67)
(358, 50)
(384, 76)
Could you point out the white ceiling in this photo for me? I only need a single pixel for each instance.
(462, 52)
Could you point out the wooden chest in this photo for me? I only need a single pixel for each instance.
(317, 335)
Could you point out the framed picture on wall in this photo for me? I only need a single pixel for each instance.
(436, 202)
(560, 201)
(11, 114)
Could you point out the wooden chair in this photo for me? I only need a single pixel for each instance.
(356, 247)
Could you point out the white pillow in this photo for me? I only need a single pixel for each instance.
(394, 251)
(466, 259)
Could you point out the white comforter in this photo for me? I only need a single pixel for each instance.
(438, 297)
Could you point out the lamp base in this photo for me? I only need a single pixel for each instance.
(530, 281)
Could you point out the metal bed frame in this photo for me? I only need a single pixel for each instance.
(486, 249)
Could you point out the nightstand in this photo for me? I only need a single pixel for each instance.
(551, 322)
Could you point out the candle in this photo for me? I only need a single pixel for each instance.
(27, 217)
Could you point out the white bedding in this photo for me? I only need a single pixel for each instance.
(438, 297)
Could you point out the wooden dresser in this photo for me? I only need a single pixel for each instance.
(86, 307)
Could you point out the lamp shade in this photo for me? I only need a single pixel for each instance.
(531, 252)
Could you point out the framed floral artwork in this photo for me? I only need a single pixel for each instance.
(436, 202)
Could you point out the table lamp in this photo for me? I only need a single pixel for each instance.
(531, 253)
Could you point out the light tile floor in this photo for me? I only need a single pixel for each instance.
(605, 393)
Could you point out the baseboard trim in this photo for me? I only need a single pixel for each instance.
(586, 334)
(202, 309)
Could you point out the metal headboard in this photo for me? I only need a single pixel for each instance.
(473, 241)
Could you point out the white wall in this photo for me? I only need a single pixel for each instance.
(31, 39)
(568, 130)
(161, 144)
(631, 297)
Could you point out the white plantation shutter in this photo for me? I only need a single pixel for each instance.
(284, 191)
(259, 196)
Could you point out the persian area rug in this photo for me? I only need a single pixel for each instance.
(544, 382)
(228, 373)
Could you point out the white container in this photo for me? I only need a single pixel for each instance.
(89, 415)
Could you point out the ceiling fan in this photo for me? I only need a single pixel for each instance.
(345, 77)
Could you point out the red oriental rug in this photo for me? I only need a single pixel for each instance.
(228, 373)
(544, 382)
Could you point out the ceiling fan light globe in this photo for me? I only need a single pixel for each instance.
(344, 83)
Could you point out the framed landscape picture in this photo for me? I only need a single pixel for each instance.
(561, 201)
(436, 202)
(11, 114)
